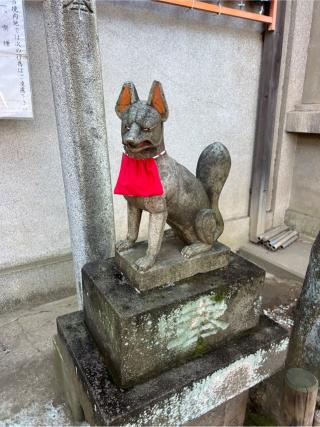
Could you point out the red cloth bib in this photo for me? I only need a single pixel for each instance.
(138, 177)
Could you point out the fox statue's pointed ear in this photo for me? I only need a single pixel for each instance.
(158, 101)
(128, 96)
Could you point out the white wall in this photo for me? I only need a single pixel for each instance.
(209, 66)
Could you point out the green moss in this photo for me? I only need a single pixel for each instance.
(255, 419)
(200, 347)
(218, 298)
(220, 295)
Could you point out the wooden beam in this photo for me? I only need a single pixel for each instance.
(273, 14)
(220, 10)
(267, 101)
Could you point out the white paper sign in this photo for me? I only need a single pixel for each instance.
(15, 93)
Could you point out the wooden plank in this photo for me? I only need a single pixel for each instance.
(267, 101)
(273, 14)
(299, 397)
(220, 10)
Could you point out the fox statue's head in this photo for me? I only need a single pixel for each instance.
(142, 121)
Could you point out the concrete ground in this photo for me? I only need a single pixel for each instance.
(289, 263)
(29, 393)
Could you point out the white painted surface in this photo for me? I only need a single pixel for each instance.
(32, 210)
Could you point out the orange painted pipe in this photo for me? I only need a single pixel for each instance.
(222, 10)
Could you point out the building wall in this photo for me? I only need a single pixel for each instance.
(304, 208)
(209, 67)
(293, 65)
(305, 195)
(34, 246)
(303, 212)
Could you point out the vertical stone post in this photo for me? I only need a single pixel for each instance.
(304, 346)
(75, 67)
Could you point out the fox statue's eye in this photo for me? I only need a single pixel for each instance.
(146, 129)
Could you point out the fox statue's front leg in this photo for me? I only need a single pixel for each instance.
(134, 219)
(157, 223)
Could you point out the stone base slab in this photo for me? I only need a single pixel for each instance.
(304, 120)
(170, 266)
(303, 223)
(231, 413)
(173, 398)
(143, 334)
(55, 271)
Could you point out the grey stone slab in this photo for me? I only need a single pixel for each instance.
(174, 397)
(303, 122)
(143, 334)
(309, 225)
(56, 272)
(170, 266)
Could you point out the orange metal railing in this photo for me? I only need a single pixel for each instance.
(230, 11)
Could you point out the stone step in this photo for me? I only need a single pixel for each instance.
(173, 398)
(143, 334)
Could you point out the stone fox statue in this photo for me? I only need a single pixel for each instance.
(189, 204)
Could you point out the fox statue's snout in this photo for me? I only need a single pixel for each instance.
(189, 203)
(135, 139)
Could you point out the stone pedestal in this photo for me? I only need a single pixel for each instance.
(175, 397)
(170, 355)
(142, 334)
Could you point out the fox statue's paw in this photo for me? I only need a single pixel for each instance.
(195, 249)
(146, 262)
(123, 245)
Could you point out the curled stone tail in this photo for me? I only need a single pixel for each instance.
(212, 170)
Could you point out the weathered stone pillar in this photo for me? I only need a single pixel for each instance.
(304, 347)
(74, 60)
